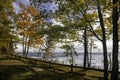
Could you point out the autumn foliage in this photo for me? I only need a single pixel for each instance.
(28, 27)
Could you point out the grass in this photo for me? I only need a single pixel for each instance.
(12, 68)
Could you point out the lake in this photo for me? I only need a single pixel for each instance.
(96, 60)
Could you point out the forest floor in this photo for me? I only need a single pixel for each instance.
(12, 68)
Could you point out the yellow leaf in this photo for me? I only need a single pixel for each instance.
(81, 1)
(33, 11)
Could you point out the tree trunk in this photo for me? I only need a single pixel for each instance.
(39, 53)
(114, 75)
(85, 48)
(90, 53)
(110, 61)
(103, 42)
(28, 46)
(23, 45)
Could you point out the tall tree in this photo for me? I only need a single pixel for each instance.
(29, 25)
(6, 34)
(115, 18)
(103, 41)
(85, 48)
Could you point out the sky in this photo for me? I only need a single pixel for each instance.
(49, 6)
(16, 4)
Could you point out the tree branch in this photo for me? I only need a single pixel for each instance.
(91, 27)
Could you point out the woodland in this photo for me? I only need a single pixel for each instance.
(68, 21)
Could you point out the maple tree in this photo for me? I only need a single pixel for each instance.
(29, 25)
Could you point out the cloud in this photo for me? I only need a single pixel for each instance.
(25, 2)
(16, 4)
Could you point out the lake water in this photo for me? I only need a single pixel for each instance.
(96, 61)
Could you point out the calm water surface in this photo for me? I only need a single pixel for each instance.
(96, 61)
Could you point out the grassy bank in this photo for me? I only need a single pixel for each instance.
(12, 68)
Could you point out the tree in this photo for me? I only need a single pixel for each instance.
(73, 12)
(7, 35)
(115, 18)
(103, 33)
(69, 51)
(29, 25)
(71, 15)
(103, 41)
(91, 46)
(85, 48)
